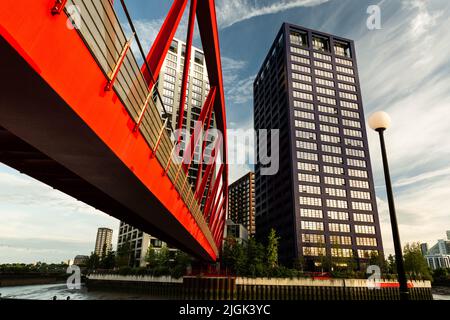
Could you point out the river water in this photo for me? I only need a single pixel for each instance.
(60, 291)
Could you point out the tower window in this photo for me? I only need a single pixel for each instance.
(342, 49)
(321, 43)
(198, 58)
(174, 46)
(299, 38)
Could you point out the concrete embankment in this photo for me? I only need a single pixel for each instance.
(228, 288)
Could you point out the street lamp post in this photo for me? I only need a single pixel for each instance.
(379, 122)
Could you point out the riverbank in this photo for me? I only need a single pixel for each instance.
(61, 292)
(226, 288)
(12, 280)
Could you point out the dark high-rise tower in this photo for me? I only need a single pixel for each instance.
(322, 201)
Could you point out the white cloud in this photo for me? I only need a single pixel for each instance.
(60, 226)
(230, 12)
(240, 148)
(421, 177)
(404, 70)
(147, 31)
(238, 90)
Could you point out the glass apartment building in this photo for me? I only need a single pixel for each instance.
(241, 202)
(169, 88)
(139, 243)
(322, 201)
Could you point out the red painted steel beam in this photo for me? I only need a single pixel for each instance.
(198, 131)
(219, 236)
(213, 193)
(216, 202)
(216, 207)
(207, 24)
(216, 231)
(187, 63)
(161, 45)
(214, 154)
(218, 216)
(208, 124)
(58, 6)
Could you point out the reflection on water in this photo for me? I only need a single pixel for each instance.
(48, 291)
(441, 293)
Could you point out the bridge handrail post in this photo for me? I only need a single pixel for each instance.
(169, 162)
(142, 113)
(113, 74)
(158, 141)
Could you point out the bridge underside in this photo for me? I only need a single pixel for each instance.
(55, 146)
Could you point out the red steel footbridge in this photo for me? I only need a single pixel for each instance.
(77, 112)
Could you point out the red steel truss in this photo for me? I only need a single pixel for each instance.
(98, 153)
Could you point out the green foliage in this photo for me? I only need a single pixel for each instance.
(163, 257)
(415, 264)
(441, 276)
(181, 263)
(255, 258)
(251, 259)
(108, 261)
(124, 255)
(151, 257)
(272, 249)
(93, 261)
(391, 265)
(39, 267)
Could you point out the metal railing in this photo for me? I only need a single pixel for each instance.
(102, 33)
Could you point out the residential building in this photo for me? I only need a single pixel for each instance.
(169, 87)
(236, 231)
(80, 260)
(103, 243)
(322, 201)
(424, 248)
(241, 202)
(438, 256)
(139, 243)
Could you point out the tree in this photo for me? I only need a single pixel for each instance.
(93, 261)
(151, 257)
(255, 258)
(163, 257)
(441, 275)
(108, 261)
(272, 249)
(181, 263)
(391, 265)
(162, 262)
(234, 256)
(124, 253)
(415, 263)
(376, 259)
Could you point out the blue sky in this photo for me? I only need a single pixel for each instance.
(404, 70)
